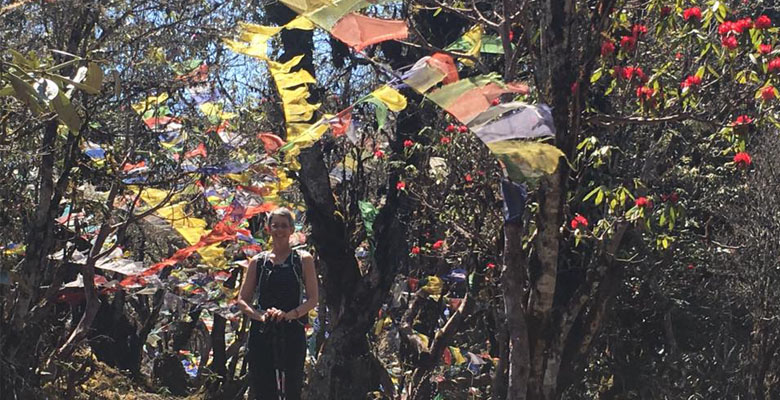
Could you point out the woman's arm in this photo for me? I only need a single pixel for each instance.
(246, 294)
(312, 289)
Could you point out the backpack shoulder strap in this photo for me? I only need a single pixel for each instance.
(297, 265)
(262, 270)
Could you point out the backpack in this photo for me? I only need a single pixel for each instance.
(264, 272)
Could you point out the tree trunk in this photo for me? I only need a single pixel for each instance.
(512, 279)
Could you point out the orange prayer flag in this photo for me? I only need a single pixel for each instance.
(271, 142)
(340, 123)
(359, 31)
(199, 151)
(475, 101)
(446, 64)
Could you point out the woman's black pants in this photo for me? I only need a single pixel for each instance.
(277, 351)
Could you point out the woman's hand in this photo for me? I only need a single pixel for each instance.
(273, 314)
(292, 315)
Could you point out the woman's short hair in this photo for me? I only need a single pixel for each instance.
(282, 212)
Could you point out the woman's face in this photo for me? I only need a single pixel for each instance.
(281, 228)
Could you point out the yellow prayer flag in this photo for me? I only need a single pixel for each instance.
(276, 67)
(456, 354)
(296, 112)
(306, 6)
(215, 110)
(287, 80)
(292, 96)
(151, 102)
(526, 159)
(308, 137)
(257, 49)
(262, 30)
(392, 99)
(300, 22)
(474, 38)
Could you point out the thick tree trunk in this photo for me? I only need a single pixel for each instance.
(512, 285)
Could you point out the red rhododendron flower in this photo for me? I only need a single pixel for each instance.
(445, 140)
(692, 13)
(379, 154)
(765, 48)
(408, 143)
(468, 178)
(729, 42)
(401, 185)
(763, 22)
(678, 55)
(607, 48)
(665, 11)
(578, 221)
(450, 128)
(726, 27)
(437, 244)
(495, 102)
(742, 120)
(774, 65)
(690, 81)
(768, 93)
(638, 30)
(628, 43)
(415, 250)
(644, 93)
(643, 202)
(463, 129)
(742, 159)
(629, 72)
(511, 36)
(743, 25)
(671, 197)
(490, 265)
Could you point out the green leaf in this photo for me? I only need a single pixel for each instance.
(81, 86)
(66, 112)
(596, 75)
(599, 197)
(700, 71)
(94, 78)
(27, 94)
(19, 59)
(592, 193)
(381, 111)
(368, 213)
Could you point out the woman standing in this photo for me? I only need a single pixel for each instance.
(277, 340)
